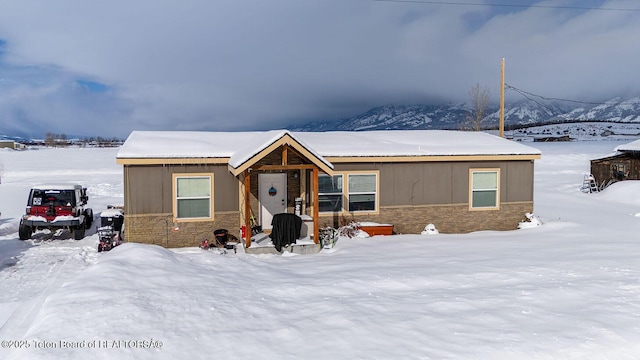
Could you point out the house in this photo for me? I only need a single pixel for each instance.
(552, 138)
(10, 144)
(180, 186)
(624, 164)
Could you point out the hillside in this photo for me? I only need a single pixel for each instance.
(452, 116)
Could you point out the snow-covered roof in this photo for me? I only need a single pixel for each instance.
(412, 143)
(632, 146)
(182, 144)
(239, 146)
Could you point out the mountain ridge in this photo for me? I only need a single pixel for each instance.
(453, 116)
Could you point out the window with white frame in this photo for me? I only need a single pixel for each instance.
(362, 192)
(193, 194)
(330, 193)
(485, 189)
(348, 192)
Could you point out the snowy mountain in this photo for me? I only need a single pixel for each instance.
(527, 113)
(396, 117)
(19, 139)
(452, 116)
(615, 110)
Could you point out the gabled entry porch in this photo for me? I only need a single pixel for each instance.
(273, 175)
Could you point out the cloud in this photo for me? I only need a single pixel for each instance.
(557, 53)
(250, 64)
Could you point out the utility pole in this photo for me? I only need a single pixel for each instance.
(502, 99)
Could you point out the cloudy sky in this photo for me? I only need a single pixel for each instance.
(109, 67)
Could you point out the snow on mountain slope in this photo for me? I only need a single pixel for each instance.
(453, 116)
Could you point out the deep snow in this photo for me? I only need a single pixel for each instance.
(569, 289)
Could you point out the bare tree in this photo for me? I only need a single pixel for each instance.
(49, 139)
(479, 101)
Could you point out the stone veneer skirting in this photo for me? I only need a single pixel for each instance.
(451, 219)
(159, 228)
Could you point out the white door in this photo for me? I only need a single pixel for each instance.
(272, 193)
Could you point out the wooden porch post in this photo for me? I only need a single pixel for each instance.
(247, 208)
(285, 152)
(316, 206)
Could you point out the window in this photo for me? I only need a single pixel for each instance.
(348, 192)
(619, 170)
(485, 189)
(362, 192)
(52, 197)
(193, 196)
(330, 193)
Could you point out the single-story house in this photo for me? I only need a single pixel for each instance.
(179, 186)
(10, 144)
(623, 164)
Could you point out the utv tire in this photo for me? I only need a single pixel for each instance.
(24, 232)
(88, 218)
(78, 233)
(99, 248)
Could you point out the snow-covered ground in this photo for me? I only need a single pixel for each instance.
(584, 131)
(569, 289)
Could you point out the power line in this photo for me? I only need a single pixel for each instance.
(524, 94)
(528, 95)
(457, 3)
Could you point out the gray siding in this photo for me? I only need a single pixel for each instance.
(519, 181)
(148, 188)
(444, 182)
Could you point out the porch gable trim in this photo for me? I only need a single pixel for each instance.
(285, 140)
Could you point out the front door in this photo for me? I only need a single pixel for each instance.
(272, 193)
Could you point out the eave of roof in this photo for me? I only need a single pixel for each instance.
(430, 158)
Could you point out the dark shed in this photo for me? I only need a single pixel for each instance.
(624, 164)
